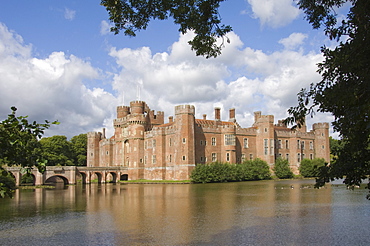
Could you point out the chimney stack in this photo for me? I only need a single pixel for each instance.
(217, 113)
(170, 119)
(204, 116)
(232, 113)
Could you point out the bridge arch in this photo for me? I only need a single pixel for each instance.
(57, 179)
(124, 176)
(111, 177)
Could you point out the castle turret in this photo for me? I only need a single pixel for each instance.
(122, 111)
(185, 141)
(322, 146)
(93, 139)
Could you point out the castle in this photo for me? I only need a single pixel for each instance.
(153, 150)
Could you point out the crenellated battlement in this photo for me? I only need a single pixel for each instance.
(185, 109)
(94, 135)
(321, 125)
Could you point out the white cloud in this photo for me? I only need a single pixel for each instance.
(51, 88)
(69, 14)
(56, 87)
(293, 41)
(179, 77)
(274, 13)
(104, 27)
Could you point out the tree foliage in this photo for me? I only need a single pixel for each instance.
(79, 149)
(19, 145)
(344, 90)
(311, 168)
(282, 169)
(200, 16)
(58, 151)
(225, 172)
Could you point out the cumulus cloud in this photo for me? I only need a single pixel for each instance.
(179, 77)
(57, 86)
(51, 88)
(69, 14)
(274, 13)
(293, 41)
(104, 27)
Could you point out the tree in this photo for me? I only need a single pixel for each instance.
(282, 169)
(79, 149)
(19, 145)
(57, 150)
(311, 168)
(344, 90)
(200, 16)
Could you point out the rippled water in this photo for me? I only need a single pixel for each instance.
(246, 213)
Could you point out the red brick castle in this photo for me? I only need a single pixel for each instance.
(153, 150)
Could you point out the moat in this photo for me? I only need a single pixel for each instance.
(247, 213)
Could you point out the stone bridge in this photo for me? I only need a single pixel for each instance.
(70, 174)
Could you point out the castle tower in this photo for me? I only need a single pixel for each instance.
(322, 146)
(185, 141)
(134, 143)
(265, 138)
(93, 139)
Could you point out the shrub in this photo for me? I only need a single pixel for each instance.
(224, 172)
(282, 169)
(310, 168)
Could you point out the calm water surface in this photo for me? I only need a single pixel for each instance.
(247, 213)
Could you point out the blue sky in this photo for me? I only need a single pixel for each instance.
(58, 61)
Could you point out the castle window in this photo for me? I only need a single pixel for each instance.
(323, 147)
(91, 154)
(287, 144)
(170, 158)
(272, 143)
(107, 152)
(227, 157)
(229, 139)
(154, 159)
(183, 158)
(298, 144)
(245, 141)
(184, 140)
(145, 160)
(302, 144)
(265, 129)
(205, 142)
(311, 145)
(266, 147)
(287, 157)
(201, 142)
(213, 141)
(279, 144)
(243, 157)
(214, 157)
(170, 141)
(311, 156)
(201, 159)
(299, 157)
(154, 143)
(145, 145)
(250, 156)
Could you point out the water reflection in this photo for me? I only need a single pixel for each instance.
(248, 213)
